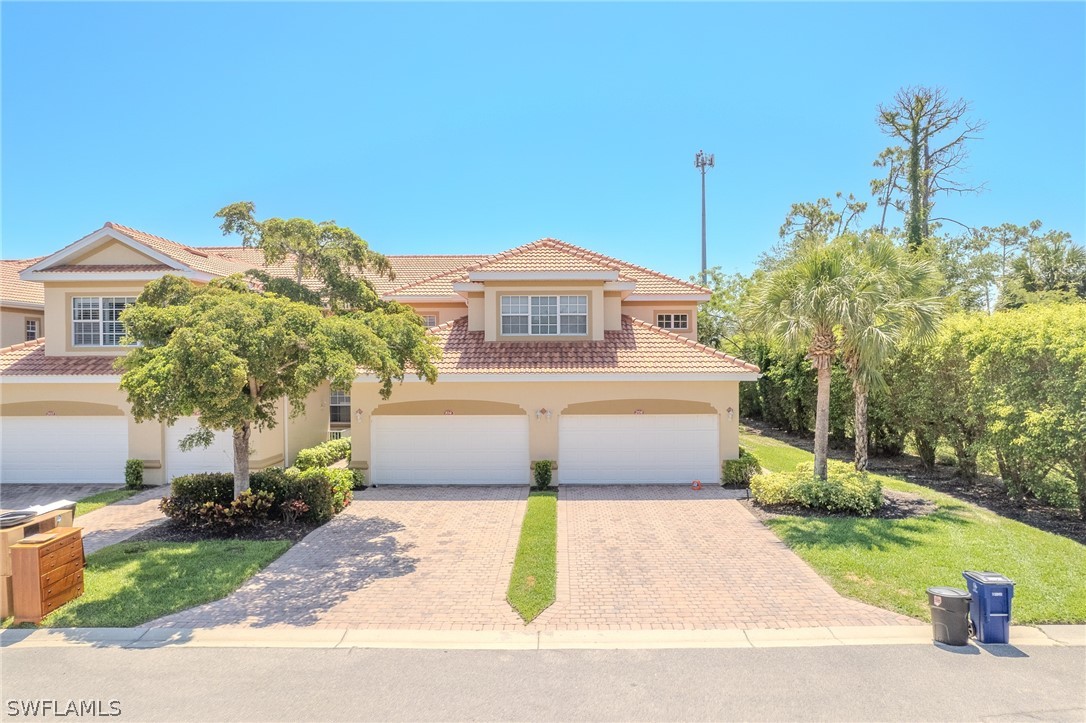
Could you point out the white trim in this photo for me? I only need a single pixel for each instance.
(462, 286)
(668, 297)
(24, 306)
(543, 275)
(91, 239)
(619, 286)
(583, 377)
(61, 378)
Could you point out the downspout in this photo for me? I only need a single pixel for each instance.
(286, 435)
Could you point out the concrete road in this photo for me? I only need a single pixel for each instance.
(827, 683)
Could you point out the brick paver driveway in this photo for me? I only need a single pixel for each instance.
(435, 558)
(439, 558)
(670, 558)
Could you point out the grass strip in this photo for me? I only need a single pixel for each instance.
(101, 499)
(535, 570)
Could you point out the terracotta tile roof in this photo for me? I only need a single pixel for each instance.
(406, 269)
(14, 289)
(552, 255)
(28, 359)
(639, 348)
(208, 262)
(82, 268)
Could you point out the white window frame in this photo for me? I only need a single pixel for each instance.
(672, 321)
(338, 400)
(429, 320)
(88, 317)
(30, 329)
(544, 315)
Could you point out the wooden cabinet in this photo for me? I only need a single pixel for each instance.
(46, 574)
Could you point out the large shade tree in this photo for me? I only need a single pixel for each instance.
(230, 354)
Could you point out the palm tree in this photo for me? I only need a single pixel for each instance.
(803, 303)
(896, 300)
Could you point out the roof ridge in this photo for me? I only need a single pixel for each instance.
(635, 266)
(692, 343)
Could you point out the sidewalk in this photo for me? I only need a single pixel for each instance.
(248, 637)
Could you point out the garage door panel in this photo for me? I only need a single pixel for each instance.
(43, 450)
(466, 449)
(638, 449)
(219, 457)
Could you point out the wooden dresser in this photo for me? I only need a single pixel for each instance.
(46, 574)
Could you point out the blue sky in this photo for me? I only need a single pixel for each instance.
(474, 128)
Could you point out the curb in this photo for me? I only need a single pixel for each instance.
(227, 637)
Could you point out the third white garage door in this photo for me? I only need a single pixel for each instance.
(449, 449)
(638, 449)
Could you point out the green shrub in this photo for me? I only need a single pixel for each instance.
(276, 482)
(324, 454)
(844, 490)
(359, 479)
(739, 471)
(133, 474)
(249, 509)
(542, 471)
(313, 487)
(215, 487)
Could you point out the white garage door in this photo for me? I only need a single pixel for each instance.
(219, 457)
(63, 449)
(638, 449)
(453, 449)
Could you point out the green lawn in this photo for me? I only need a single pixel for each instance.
(101, 499)
(531, 587)
(134, 582)
(889, 563)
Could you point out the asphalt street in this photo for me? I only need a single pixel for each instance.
(870, 683)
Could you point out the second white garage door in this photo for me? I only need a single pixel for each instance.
(219, 457)
(639, 449)
(449, 449)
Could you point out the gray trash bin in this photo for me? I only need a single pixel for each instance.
(949, 615)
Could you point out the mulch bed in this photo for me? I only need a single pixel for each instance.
(985, 491)
(895, 506)
(170, 531)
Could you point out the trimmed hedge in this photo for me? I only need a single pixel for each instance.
(324, 455)
(844, 490)
(324, 491)
(740, 471)
(133, 474)
(542, 471)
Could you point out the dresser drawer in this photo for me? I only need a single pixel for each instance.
(61, 572)
(60, 598)
(68, 581)
(58, 544)
(69, 552)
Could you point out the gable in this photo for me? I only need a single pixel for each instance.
(111, 252)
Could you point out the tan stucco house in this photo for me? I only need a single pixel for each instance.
(551, 351)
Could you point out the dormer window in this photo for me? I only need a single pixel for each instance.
(95, 320)
(679, 322)
(544, 315)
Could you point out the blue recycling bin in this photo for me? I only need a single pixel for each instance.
(990, 605)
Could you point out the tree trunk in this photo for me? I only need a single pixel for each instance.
(860, 423)
(241, 458)
(925, 447)
(913, 228)
(967, 461)
(822, 420)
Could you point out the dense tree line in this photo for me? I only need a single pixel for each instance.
(966, 347)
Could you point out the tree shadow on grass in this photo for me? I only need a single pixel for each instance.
(869, 533)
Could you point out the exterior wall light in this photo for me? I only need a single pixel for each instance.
(540, 413)
(358, 415)
(731, 414)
